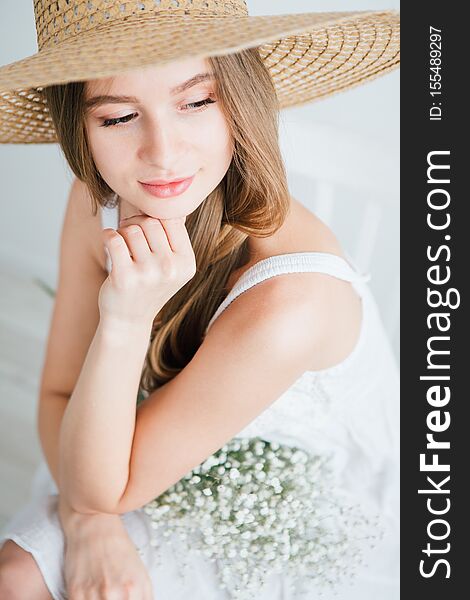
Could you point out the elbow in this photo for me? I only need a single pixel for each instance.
(92, 508)
(88, 505)
(86, 499)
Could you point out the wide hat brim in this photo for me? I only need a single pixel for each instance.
(309, 56)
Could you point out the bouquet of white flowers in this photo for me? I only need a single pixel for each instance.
(257, 508)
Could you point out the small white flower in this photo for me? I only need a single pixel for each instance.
(234, 473)
(273, 509)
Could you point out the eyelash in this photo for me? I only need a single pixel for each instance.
(115, 122)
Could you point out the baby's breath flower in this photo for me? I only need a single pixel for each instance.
(257, 508)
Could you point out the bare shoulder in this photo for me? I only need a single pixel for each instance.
(75, 312)
(316, 313)
(306, 232)
(306, 315)
(81, 217)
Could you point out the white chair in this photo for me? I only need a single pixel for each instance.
(352, 184)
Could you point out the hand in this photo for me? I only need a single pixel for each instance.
(152, 259)
(102, 562)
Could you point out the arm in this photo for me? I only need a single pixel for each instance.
(73, 522)
(116, 457)
(74, 318)
(96, 544)
(258, 347)
(51, 411)
(49, 418)
(268, 336)
(98, 425)
(150, 264)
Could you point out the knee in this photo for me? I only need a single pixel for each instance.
(13, 570)
(10, 576)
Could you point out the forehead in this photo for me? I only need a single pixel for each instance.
(157, 79)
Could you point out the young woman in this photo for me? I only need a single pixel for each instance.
(230, 305)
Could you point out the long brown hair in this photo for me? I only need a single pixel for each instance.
(252, 199)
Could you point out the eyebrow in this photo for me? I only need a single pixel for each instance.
(107, 99)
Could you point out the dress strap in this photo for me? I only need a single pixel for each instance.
(295, 262)
(109, 218)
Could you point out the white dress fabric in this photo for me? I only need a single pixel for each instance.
(349, 411)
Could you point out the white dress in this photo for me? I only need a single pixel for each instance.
(350, 411)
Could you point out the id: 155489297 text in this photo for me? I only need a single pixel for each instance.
(435, 78)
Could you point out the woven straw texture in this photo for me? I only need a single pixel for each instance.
(309, 55)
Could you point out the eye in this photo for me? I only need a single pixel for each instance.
(193, 107)
(202, 104)
(111, 122)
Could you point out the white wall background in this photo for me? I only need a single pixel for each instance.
(35, 178)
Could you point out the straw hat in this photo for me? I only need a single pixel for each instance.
(309, 55)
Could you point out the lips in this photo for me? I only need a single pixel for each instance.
(168, 190)
(164, 181)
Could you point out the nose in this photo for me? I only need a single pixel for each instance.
(161, 146)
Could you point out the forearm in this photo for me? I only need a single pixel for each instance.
(49, 418)
(98, 424)
(51, 411)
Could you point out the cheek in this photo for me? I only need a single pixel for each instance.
(108, 153)
(219, 144)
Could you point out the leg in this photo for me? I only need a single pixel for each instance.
(20, 576)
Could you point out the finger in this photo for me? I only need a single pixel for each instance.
(149, 588)
(95, 594)
(154, 233)
(117, 248)
(177, 235)
(135, 594)
(136, 242)
(130, 592)
(150, 595)
(148, 592)
(156, 236)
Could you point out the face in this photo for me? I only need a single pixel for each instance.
(161, 133)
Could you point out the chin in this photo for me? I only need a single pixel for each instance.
(167, 215)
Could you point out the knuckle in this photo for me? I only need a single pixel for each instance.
(193, 268)
(151, 222)
(130, 585)
(189, 274)
(75, 590)
(72, 586)
(115, 240)
(189, 268)
(148, 271)
(133, 229)
(106, 588)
